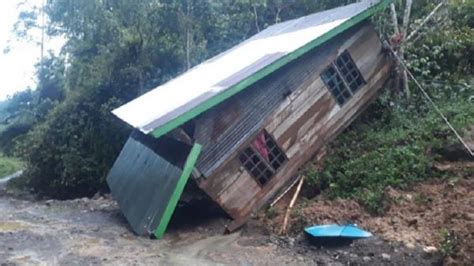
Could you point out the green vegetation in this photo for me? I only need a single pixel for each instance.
(117, 50)
(396, 141)
(396, 149)
(448, 242)
(9, 166)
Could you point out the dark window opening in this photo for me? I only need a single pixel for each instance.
(343, 78)
(262, 158)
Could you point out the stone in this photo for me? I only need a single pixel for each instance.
(469, 216)
(430, 249)
(96, 196)
(412, 221)
(386, 257)
(366, 259)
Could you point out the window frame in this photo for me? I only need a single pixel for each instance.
(340, 74)
(262, 161)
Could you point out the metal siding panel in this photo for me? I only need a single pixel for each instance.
(142, 182)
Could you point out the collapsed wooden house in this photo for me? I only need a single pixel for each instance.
(242, 124)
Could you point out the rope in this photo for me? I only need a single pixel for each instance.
(427, 96)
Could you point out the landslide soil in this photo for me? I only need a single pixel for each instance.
(417, 217)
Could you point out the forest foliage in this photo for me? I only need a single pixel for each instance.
(116, 50)
(397, 142)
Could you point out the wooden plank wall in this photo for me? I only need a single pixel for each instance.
(302, 124)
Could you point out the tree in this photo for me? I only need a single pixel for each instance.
(115, 51)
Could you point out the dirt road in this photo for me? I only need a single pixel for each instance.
(84, 232)
(93, 232)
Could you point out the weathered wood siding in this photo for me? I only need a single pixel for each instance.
(303, 121)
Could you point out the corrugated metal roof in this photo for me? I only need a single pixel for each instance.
(218, 78)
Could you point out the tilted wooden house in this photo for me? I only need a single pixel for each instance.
(242, 124)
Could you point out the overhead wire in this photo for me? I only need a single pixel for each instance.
(428, 98)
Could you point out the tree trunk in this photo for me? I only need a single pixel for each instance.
(401, 33)
(256, 18)
(188, 34)
(42, 37)
(393, 12)
(430, 15)
(404, 30)
(396, 32)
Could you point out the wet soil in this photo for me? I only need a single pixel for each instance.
(93, 232)
(416, 219)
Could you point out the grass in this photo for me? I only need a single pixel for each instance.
(9, 165)
(392, 146)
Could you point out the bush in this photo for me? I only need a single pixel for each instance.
(70, 154)
(396, 148)
(396, 141)
(9, 166)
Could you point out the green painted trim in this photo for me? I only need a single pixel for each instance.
(183, 179)
(172, 124)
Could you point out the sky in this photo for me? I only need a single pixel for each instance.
(17, 71)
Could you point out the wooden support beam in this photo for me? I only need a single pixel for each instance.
(290, 207)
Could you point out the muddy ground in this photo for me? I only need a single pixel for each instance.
(93, 232)
(437, 215)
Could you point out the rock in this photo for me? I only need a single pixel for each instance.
(412, 221)
(386, 257)
(410, 245)
(430, 249)
(366, 259)
(96, 196)
(291, 241)
(469, 216)
(392, 193)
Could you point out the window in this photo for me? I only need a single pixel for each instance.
(343, 78)
(262, 158)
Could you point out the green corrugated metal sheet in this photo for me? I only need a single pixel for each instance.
(146, 186)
